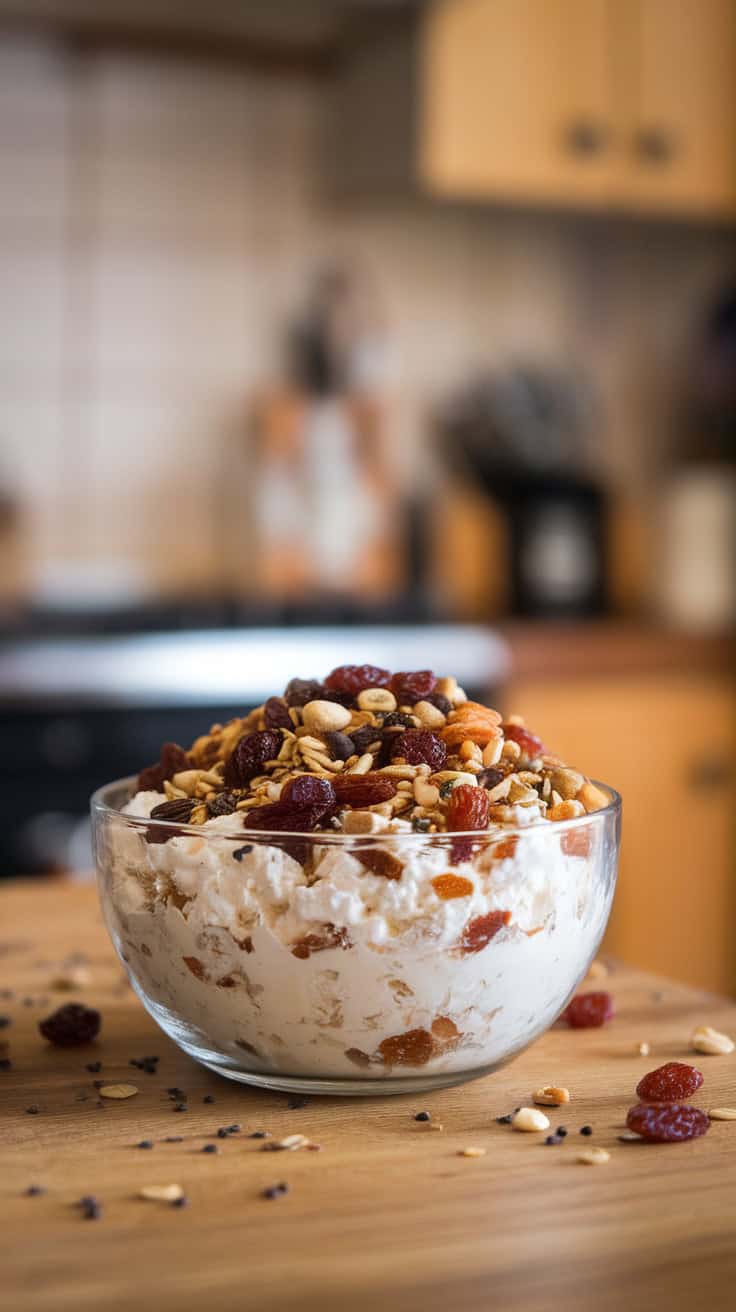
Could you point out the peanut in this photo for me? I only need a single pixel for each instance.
(429, 716)
(325, 717)
(710, 1041)
(592, 798)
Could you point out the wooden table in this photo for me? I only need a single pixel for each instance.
(387, 1215)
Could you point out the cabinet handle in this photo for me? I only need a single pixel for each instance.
(586, 139)
(655, 145)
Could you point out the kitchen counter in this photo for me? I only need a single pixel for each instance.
(388, 1214)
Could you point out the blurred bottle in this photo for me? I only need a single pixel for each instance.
(697, 567)
(324, 495)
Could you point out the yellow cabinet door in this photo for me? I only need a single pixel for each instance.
(668, 745)
(516, 100)
(678, 90)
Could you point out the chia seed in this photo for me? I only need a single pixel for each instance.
(33, 1110)
(210, 1148)
(208, 1098)
(145, 1143)
(276, 1190)
(586, 1129)
(422, 1116)
(93, 1067)
(34, 1190)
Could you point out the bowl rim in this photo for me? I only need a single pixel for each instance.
(99, 807)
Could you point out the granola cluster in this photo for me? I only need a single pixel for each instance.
(365, 752)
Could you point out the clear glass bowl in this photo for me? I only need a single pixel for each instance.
(284, 961)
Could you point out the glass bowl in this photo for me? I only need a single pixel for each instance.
(351, 964)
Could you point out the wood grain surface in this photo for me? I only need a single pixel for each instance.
(388, 1214)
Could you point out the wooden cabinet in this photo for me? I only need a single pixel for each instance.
(516, 99)
(668, 744)
(627, 104)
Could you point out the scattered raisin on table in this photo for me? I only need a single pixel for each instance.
(71, 1025)
(588, 1011)
(669, 1124)
(672, 1082)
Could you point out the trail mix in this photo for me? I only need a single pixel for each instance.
(366, 751)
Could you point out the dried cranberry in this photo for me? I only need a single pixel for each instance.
(300, 691)
(438, 699)
(355, 678)
(672, 1124)
(276, 714)
(173, 759)
(340, 746)
(250, 755)
(672, 1082)
(468, 808)
(359, 790)
(589, 1010)
(419, 747)
(282, 819)
(310, 792)
(479, 932)
(364, 737)
(530, 745)
(71, 1026)
(412, 686)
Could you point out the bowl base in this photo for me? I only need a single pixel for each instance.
(349, 1088)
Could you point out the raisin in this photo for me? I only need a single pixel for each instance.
(419, 747)
(530, 745)
(490, 777)
(671, 1124)
(468, 808)
(381, 863)
(340, 746)
(437, 699)
(412, 686)
(588, 1011)
(281, 819)
(414, 1048)
(355, 678)
(71, 1026)
(328, 936)
(309, 792)
(358, 790)
(672, 1082)
(221, 804)
(396, 718)
(479, 932)
(364, 738)
(250, 755)
(276, 714)
(451, 886)
(173, 759)
(196, 967)
(300, 691)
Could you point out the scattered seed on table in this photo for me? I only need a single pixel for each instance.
(208, 1098)
(145, 1143)
(630, 1136)
(93, 1067)
(33, 1110)
(5, 1064)
(258, 1134)
(276, 1190)
(422, 1116)
(35, 1190)
(594, 1157)
(91, 1207)
(178, 1094)
(296, 1103)
(552, 1141)
(472, 1152)
(234, 1128)
(504, 1120)
(561, 1131)
(723, 1114)
(586, 1129)
(4, 1022)
(162, 1193)
(210, 1148)
(181, 1107)
(180, 1202)
(173, 1138)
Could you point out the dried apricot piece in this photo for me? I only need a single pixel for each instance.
(504, 850)
(414, 1048)
(673, 1082)
(671, 1124)
(479, 932)
(576, 842)
(589, 1010)
(449, 886)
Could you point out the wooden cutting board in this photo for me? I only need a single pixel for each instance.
(387, 1215)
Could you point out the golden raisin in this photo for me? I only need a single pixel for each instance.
(450, 886)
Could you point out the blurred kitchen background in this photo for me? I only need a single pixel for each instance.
(375, 330)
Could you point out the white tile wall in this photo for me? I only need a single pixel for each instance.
(158, 227)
